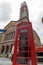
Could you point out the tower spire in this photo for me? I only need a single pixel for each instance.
(24, 10)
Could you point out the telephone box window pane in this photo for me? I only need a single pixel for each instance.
(23, 48)
(22, 60)
(23, 43)
(23, 54)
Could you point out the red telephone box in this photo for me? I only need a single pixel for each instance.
(24, 49)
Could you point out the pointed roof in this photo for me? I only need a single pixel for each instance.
(23, 4)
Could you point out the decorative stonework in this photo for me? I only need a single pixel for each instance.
(24, 11)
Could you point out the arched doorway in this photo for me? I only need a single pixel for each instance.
(7, 49)
(2, 51)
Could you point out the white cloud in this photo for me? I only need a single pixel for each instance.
(1, 25)
(5, 11)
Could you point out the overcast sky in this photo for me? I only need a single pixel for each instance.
(9, 10)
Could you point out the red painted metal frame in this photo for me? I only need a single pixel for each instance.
(28, 26)
(39, 49)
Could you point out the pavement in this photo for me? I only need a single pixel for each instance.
(6, 61)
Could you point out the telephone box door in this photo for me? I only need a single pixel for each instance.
(24, 49)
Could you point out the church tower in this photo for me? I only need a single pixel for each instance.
(24, 11)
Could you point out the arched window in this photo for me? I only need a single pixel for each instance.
(7, 49)
(2, 51)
